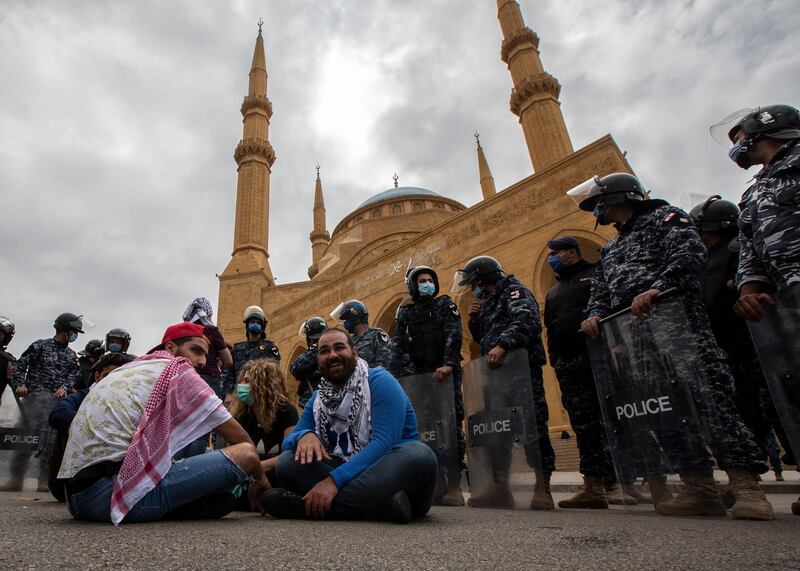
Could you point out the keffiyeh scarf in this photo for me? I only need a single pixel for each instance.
(343, 416)
(199, 310)
(181, 408)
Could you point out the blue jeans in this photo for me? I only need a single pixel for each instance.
(186, 481)
(410, 466)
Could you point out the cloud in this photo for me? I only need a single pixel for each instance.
(119, 122)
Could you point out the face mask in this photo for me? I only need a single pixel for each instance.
(738, 154)
(479, 293)
(72, 337)
(115, 347)
(349, 326)
(254, 327)
(555, 263)
(243, 393)
(600, 215)
(426, 289)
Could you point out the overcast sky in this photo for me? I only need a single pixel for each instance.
(118, 122)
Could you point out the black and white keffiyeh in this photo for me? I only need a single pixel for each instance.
(343, 417)
(199, 310)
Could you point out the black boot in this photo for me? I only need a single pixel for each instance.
(397, 509)
(283, 504)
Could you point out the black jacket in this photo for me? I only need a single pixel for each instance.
(565, 309)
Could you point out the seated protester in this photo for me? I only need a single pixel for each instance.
(119, 455)
(261, 406)
(66, 409)
(355, 453)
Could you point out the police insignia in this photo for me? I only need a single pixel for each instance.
(676, 219)
(454, 309)
(385, 336)
(516, 294)
(261, 348)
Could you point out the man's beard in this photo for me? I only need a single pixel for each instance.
(341, 374)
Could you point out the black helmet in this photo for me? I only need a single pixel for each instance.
(313, 327)
(69, 322)
(411, 280)
(614, 188)
(480, 269)
(715, 214)
(352, 312)
(8, 329)
(94, 348)
(773, 121)
(119, 333)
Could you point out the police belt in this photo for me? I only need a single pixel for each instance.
(91, 474)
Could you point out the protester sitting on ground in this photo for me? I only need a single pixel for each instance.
(65, 410)
(355, 453)
(261, 406)
(119, 455)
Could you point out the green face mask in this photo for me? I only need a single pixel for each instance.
(243, 393)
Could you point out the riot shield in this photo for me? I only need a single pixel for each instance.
(777, 341)
(26, 440)
(434, 405)
(646, 370)
(502, 439)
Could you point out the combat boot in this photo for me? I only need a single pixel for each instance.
(616, 496)
(498, 496)
(631, 490)
(699, 497)
(453, 496)
(659, 492)
(796, 507)
(542, 498)
(751, 503)
(592, 496)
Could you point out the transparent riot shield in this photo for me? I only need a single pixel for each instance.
(646, 371)
(777, 341)
(502, 439)
(434, 405)
(26, 440)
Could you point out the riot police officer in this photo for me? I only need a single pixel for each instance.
(505, 316)
(88, 357)
(428, 338)
(658, 249)
(257, 346)
(118, 340)
(7, 360)
(305, 368)
(372, 343)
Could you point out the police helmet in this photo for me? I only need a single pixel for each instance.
(8, 329)
(313, 327)
(614, 188)
(254, 312)
(715, 214)
(773, 121)
(119, 333)
(479, 269)
(94, 348)
(352, 312)
(411, 280)
(69, 322)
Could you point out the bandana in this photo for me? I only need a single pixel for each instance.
(199, 310)
(343, 416)
(181, 408)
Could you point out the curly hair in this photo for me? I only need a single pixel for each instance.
(267, 392)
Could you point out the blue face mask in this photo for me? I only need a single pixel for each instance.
(254, 327)
(738, 154)
(479, 293)
(426, 289)
(115, 347)
(243, 393)
(555, 263)
(72, 337)
(349, 326)
(600, 216)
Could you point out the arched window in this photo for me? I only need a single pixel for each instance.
(397, 209)
(376, 213)
(417, 207)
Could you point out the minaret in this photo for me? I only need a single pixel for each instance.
(487, 180)
(248, 271)
(534, 98)
(319, 235)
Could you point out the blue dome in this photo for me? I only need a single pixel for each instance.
(399, 192)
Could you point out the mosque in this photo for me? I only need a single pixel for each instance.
(366, 255)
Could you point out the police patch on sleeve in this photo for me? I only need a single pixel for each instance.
(675, 219)
(454, 309)
(517, 294)
(274, 350)
(384, 337)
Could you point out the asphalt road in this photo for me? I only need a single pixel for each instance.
(38, 533)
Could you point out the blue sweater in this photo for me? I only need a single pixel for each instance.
(393, 422)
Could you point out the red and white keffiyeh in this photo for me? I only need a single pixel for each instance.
(181, 408)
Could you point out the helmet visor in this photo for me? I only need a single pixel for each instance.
(462, 282)
(302, 331)
(339, 311)
(719, 131)
(585, 190)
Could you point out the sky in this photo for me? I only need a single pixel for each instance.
(119, 121)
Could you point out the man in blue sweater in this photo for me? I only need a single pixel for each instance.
(355, 454)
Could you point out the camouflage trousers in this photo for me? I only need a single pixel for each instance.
(579, 396)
